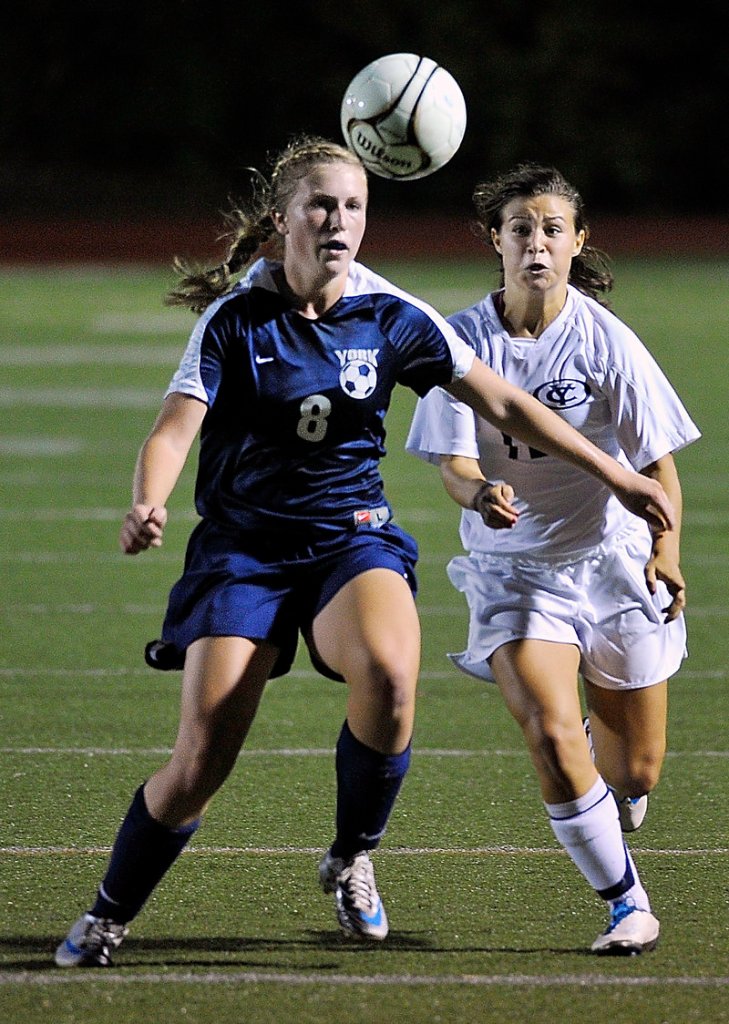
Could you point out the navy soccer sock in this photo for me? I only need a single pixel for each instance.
(367, 786)
(143, 852)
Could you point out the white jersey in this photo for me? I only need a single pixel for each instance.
(595, 373)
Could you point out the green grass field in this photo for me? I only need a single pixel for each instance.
(490, 921)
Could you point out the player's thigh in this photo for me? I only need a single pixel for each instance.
(538, 680)
(539, 683)
(223, 680)
(628, 728)
(370, 625)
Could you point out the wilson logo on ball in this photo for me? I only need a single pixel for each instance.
(404, 116)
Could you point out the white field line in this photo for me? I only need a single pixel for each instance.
(131, 608)
(23, 672)
(247, 752)
(428, 558)
(168, 321)
(316, 851)
(107, 514)
(455, 610)
(77, 515)
(319, 979)
(43, 477)
(121, 671)
(80, 398)
(94, 355)
(34, 446)
(717, 517)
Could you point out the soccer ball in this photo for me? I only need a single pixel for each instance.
(404, 116)
(358, 378)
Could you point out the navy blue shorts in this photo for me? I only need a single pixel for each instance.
(245, 585)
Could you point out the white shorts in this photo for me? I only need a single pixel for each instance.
(599, 603)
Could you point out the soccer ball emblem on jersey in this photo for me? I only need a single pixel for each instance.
(404, 116)
(358, 378)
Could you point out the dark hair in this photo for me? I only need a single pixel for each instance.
(250, 227)
(590, 271)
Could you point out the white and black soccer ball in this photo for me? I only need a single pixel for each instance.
(358, 378)
(404, 116)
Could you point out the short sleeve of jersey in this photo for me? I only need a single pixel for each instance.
(650, 419)
(200, 368)
(430, 350)
(442, 426)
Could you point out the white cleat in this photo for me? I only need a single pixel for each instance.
(90, 942)
(631, 810)
(631, 931)
(359, 908)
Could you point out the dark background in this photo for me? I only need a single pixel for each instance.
(114, 110)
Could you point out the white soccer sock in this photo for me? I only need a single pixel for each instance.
(636, 893)
(589, 830)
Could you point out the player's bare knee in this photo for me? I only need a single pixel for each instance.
(642, 775)
(390, 684)
(397, 691)
(554, 743)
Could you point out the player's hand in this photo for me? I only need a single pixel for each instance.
(663, 565)
(646, 498)
(142, 528)
(494, 503)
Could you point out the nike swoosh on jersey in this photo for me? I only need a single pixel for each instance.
(264, 359)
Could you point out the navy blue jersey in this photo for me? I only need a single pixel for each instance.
(295, 424)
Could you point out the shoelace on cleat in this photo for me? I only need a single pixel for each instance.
(103, 936)
(619, 912)
(358, 884)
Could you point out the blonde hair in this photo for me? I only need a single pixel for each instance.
(251, 227)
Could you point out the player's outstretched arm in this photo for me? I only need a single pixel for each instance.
(517, 413)
(159, 464)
